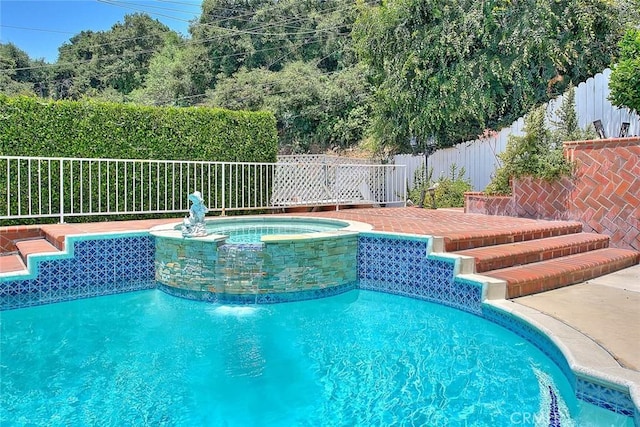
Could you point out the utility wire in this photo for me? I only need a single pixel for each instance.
(237, 54)
(231, 33)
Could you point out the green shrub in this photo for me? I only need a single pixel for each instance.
(36, 128)
(32, 127)
(539, 152)
(449, 191)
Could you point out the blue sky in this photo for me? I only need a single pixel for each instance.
(39, 27)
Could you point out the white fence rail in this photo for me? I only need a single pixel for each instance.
(479, 157)
(40, 187)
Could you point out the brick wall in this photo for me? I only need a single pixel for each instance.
(606, 197)
(539, 199)
(478, 202)
(603, 193)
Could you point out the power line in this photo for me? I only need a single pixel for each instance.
(236, 54)
(126, 6)
(314, 36)
(36, 29)
(230, 33)
(272, 23)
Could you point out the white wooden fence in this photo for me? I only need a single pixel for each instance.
(479, 157)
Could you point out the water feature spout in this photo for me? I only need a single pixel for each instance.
(194, 225)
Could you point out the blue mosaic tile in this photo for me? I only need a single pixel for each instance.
(531, 334)
(466, 295)
(605, 397)
(554, 413)
(385, 264)
(95, 267)
(400, 266)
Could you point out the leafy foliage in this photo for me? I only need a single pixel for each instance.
(424, 67)
(625, 76)
(315, 110)
(451, 70)
(29, 127)
(19, 75)
(118, 58)
(266, 34)
(168, 81)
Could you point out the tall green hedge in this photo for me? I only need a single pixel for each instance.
(33, 127)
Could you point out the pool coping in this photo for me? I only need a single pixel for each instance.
(34, 260)
(586, 358)
(172, 230)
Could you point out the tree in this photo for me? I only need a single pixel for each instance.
(15, 76)
(539, 153)
(167, 82)
(450, 70)
(315, 110)
(263, 34)
(625, 75)
(566, 127)
(20, 75)
(118, 58)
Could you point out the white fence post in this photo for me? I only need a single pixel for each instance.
(61, 191)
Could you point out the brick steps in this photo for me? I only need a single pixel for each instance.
(15, 262)
(567, 270)
(11, 263)
(465, 241)
(508, 255)
(35, 246)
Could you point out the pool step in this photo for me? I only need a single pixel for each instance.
(15, 262)
(34, 246)
(567, 270)
(508, 255)
(11, 263)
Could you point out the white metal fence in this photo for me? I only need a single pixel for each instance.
(479, 157)
(39, 187)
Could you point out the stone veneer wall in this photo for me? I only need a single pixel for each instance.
(603, 194)
(270, 272)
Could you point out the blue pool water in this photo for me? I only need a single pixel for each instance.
(358, 359)
(250, 231)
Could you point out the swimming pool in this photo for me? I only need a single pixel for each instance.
(359, 358)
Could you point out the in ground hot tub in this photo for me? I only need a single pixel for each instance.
(259, 259)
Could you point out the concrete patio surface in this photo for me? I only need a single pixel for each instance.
(605, 309)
